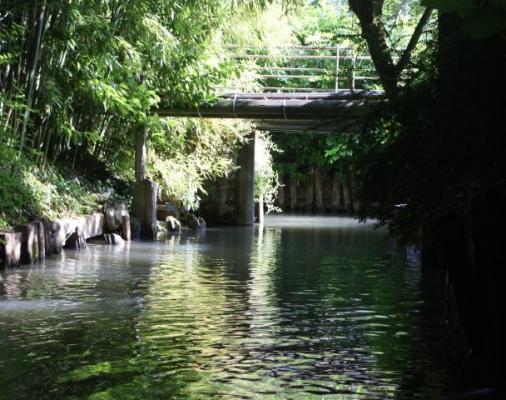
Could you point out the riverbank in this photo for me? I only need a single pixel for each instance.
(30, 192)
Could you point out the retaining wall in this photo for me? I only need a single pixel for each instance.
(33, 241)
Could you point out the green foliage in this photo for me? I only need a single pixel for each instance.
(266, 178)
(97, 73)
(27, 192)
(186, 152)
(340, 149)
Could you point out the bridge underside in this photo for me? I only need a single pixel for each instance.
(323, 113)
(318, 112)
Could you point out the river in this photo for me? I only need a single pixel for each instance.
(303, 308)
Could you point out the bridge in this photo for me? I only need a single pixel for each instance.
(299, 89)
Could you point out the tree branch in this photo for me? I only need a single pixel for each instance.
(373, 31)
(406, 55)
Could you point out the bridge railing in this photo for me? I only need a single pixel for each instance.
(303, 69)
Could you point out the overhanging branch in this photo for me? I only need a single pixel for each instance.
(415, 37)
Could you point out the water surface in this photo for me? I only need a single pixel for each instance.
(305, 308)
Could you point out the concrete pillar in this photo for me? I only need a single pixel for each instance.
(145, 192)
(144, 208)
(245, 203)
(140, 154)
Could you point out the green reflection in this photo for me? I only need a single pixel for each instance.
(283, 311)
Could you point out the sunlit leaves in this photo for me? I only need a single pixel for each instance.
(185, 152)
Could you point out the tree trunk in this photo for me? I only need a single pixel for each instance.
(32, 66)
(369, 13)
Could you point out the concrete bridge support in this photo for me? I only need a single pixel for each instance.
(245, 202)
(145, 192)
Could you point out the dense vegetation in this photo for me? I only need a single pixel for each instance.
(324, 27)
(78, 79)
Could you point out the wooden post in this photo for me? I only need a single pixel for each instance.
(336, 201)
(281, 194)
(52, 240)
(245, 201)
(30, 246)
(347, 201)
(41, 239)
(353, 191)
(318, 191)
(140, 154)
(10, 249)
(126, 233)
(292, 183)
(309, 195)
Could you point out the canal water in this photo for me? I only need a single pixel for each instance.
(303, 308)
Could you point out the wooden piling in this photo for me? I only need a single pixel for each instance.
(336, 198)
(10, 249)
(318, 191)
(292, 185)
(126, 232)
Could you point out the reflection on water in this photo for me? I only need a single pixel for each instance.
(303, 308)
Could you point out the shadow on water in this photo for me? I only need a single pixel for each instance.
(302, 308)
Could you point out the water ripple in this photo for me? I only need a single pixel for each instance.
(294, 311)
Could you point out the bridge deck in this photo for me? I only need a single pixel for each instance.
(319, 89)
(291, 112)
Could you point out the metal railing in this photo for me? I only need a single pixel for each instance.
(303, 69)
